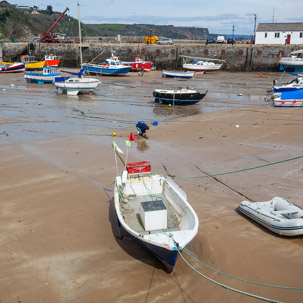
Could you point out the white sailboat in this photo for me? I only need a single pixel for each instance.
(78, 84)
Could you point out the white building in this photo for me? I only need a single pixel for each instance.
(279, 33)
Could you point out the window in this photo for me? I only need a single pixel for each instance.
(277, 35)
(301, 35)
(265, 35)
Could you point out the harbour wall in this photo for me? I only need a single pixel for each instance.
(236, 57)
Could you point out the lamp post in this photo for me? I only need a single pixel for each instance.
(232, 41)
(255, 29)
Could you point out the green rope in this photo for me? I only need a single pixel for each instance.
(227, 287)
(240, 170)
(243, 280)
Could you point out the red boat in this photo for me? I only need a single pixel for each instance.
(139, 64)
(52, 60)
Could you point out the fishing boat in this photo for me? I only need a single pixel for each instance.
(178, 74)
(154, 210)
(75, 85)
(7, 67)
(183, 96)
(52, 60)
(277, 214)
(112, 67)
(31, 62)
(294, 63)
(47, 76)
(202, 66)
(139, 64)
(292, 98)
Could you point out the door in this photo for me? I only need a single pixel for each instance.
(288, 39)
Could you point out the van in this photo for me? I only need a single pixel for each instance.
(220, 39)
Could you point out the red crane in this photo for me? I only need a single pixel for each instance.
(49, 37)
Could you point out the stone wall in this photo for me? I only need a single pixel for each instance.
(237, 57)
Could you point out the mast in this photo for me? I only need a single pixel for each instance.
(80, 38)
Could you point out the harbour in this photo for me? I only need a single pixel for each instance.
(126, 179)
(57, 172)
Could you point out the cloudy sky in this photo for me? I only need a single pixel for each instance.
(217, 15)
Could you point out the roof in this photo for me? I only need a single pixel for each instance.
(280, 27)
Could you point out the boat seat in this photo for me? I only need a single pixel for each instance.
(285, 211)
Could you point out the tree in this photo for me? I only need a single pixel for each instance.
(49, 10)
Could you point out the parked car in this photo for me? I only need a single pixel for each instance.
(165, 41)
(231, 41)
(210, 40)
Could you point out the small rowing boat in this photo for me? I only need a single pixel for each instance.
(178, 74)
(277, 215)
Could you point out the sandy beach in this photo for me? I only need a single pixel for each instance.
(59, 229)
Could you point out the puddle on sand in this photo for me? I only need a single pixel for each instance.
(31, 111)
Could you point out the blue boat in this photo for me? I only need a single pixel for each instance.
(289, 98)
(293, 85)
(112, 67)
(48, 75)
(154, 210)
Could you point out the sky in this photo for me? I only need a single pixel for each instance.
(219, 16)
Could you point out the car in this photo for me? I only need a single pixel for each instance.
(231, 41)
(165, 41)
(210, 40)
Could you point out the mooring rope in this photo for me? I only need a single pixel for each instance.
(240, 279)
(227, 287)
(239, 170)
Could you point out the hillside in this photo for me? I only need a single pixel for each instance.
(22, 24)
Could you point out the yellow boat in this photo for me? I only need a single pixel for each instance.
(31, 63)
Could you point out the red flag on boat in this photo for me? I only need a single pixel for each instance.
(132, 137)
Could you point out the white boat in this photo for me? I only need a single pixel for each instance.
(178, 74)
(295, 84)
(154, 210)
(79, 84)
(294, 62)
(202, 66)
(47, 76)
(277, 215)
(75, 85)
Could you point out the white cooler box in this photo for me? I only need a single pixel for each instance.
(153, 215)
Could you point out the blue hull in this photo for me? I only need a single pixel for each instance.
(167, 257)
(107, 71)
(285, 89)
(289, 68)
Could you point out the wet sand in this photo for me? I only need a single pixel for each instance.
(59, 230)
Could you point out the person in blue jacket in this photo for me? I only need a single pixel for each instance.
(142, 127)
